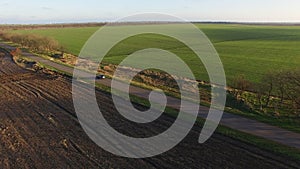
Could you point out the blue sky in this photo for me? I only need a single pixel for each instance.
(55, 11)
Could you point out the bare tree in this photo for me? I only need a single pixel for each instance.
(260, 91)
(269, 82)
(240, 85)
(285, 85)
(292, 88)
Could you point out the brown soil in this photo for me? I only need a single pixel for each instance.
(39, 129)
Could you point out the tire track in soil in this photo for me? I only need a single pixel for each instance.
(17, 94)
(38, 93)
(49, 98)
(31, 120)
(49, 117)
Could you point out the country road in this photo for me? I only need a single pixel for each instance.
(39, 129)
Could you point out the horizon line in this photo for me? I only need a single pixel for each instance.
(204, 22)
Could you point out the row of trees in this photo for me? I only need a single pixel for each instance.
(32, 41)
(278, 90)
(42, 26)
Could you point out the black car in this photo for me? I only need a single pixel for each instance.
(100, 77)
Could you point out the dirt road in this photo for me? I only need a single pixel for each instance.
(39, 129)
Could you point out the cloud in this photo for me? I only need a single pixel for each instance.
(5, 4)
(47, 8)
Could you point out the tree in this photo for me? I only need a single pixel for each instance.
(260, 90)
(292, 89)
(285, 85)
(269, 81)
(240, 85)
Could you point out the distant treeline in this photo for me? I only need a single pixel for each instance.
(32, 41)
(37, 26)
(66, 25)
(252, 23)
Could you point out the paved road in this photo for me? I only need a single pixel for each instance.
(236, 122)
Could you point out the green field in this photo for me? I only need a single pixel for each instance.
(249, 50)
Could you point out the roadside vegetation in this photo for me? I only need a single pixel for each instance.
(32, 41)
(278, 90)
(274, 100)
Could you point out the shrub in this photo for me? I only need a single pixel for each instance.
(240, 85)
(31, 41)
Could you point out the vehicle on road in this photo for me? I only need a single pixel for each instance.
(98, 77)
